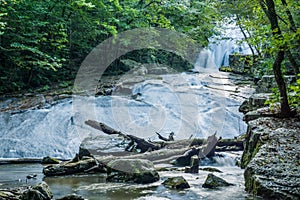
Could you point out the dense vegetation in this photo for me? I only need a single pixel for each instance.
(44, 41)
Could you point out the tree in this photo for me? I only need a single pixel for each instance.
(272, 28)
(268, 7)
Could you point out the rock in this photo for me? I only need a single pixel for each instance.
(267, 83)
(213, 181)
(83, 151)
(44, 189)
(31, 176)
(245, 107)
(194, 168)
(8, 195)
(71, 197)
(261, 112)
(185, 159)
(211, 169)
(69, 167)
(38, 192)
(271, 158)
(131, 170)
(177, 182)
(32, 194)
(49, 160)
(254, 102)
(241, 63)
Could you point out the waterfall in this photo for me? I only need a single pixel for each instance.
(220, 47)
(205, 60)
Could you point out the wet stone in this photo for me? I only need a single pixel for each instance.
(213, 182)
(131, 170)
(177, 182)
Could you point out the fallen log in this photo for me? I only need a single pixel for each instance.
(103, 127)
(164, 138)
(142, 144)
(221, 145)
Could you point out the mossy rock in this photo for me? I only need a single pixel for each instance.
(213, 182)
(38, 192)
(49, 160)
(8, 195)
(177, 182)
(226, 69)
(131, 170)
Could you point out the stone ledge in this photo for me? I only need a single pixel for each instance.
(271, 158)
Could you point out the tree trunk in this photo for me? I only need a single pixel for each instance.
(268, 7)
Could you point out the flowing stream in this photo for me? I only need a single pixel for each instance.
(188, 104)
(94, 187)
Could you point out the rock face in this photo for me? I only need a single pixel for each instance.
(131, 170)
(268, 82)
(271, 158)
(177, 182)
(213, 182)
(254, 102)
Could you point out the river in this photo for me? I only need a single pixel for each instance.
(95, 187)
(188, 104)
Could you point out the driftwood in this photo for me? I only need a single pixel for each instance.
(141, 144)
(222, 144)
(166, 139)
(181, 150)
(206, 150)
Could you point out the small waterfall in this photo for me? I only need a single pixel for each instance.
(205, 60)
(220, 47)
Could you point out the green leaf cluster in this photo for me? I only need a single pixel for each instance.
(44, 41)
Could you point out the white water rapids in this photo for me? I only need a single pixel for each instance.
(186, 104)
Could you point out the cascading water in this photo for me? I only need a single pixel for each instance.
(187, 104)
(219, 48)
(195, 105)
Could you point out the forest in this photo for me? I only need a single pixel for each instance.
(42, 43)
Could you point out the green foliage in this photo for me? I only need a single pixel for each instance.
(293, 96)
(44, 41)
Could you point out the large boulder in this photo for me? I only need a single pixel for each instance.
(271, 158)
(71, 167)
(131, 170)
(177, 182)
(213, 182)
(38, 192)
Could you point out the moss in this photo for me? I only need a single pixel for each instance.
(176, 183)
(225, 69)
